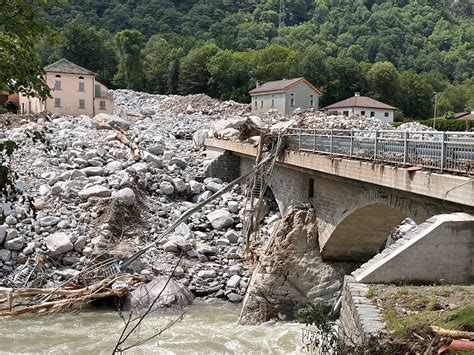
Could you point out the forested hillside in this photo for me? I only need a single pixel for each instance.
(399, 51)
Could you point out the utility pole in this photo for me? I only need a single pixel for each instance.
(435, 103)
(281, 18)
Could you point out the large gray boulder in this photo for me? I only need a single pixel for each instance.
(108, 121)
(58, 243)
(220, 219)
(168, 294)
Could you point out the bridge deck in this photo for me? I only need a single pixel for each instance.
(443, 186)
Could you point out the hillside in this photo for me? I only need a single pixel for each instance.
(222, 48)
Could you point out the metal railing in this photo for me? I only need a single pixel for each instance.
(445, 151)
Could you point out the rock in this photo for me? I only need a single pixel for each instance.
(168, 294)
(125, 197)
(15, 244)
(3, 233)
(167, 188)
(222, 242)
(179, 162)
(233, 206)
(234, 297)
(5, 255)
(213, 186)
(157, 149)
(108, 121)
(220, 219)
(196, 187)
(113, 166)
(199, 137)
(11, 220)
(202, 196)
(204, 249)
(234, 270)
(58, 243)
(231, 236)
(234, 281)
(49, 221)
(93, 171)
(146, 111)
(80, 243)
(153, 159)
(180, 185)
(96, 190)
(170, 247)
(207, 274)
(168, 154)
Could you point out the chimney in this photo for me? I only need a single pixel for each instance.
(357, 93)
(257, 85)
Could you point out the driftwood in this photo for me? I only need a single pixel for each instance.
(122, 137)
(62, 298)
(455, 334)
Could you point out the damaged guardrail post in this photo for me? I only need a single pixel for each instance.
(405, 148)
(331, 142)
(376, 145)
(351, 152)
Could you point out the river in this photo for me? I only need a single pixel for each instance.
(205, 329)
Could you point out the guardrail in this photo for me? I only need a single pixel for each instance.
(444, 151)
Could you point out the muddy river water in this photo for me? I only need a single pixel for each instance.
(205, 329)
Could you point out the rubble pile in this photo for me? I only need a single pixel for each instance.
(89, 197)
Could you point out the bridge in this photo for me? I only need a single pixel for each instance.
(361, 183)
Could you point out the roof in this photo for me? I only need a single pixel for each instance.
(65, 66)
(360, 101)
(464, 116)
(281, 85)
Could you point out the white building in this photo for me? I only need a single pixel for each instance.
(362, 106)
(285, 95)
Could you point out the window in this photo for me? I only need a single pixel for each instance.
(261, 104)
(311, 100)
(57, 102)
(345, 113)
(273, 103)
(102, 105)
(97, 90)
(372, 114)
(81, 86)
(57, 85)
(82, 103)
(386, 114)
(256, 103)
(292, 100)
(362, 113)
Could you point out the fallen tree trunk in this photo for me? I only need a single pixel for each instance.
(449, 333)
(122, 137)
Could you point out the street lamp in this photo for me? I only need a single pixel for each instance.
(434, 114)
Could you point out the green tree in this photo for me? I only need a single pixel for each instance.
(275, 63)
(417, 97)
(90, 48)
(157, 57)
(130, 67)
(21, 27)
(193, 72)
(383, 82)
(346, 77)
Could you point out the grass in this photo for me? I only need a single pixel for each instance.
(408, 307)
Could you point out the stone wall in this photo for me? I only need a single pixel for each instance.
(225, 167)
(290, 272)
(360, 319)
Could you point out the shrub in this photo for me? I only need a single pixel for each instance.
(450, 125)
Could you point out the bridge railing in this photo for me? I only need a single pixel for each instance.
(450, 151)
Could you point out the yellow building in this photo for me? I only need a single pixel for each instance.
(74, 91)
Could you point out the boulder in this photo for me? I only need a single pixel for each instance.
(15, 244)
(167, 293)
(108, 121)
(167, 188)
(125, 197)
(220, 219)
(207, 274)
(234, 281)
(199, 138)
(58, 243)
(96, 190)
